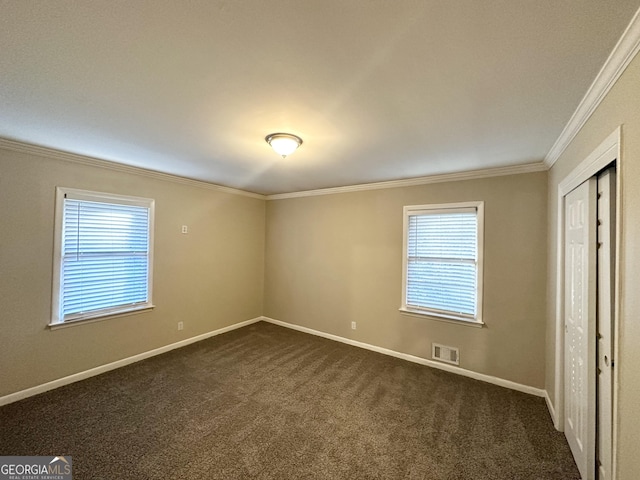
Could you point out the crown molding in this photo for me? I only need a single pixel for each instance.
(410, 182)
(52, 153)
(622, 54)
(47, 152)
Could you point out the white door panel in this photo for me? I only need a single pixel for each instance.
(606, 264)
(580, 324)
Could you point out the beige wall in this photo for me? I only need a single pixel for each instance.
(620, 107)
(334, 259)
(210, 278)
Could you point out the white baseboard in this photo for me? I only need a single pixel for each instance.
(76, 377)
(552, 411)
(411, 358)
(14, 397)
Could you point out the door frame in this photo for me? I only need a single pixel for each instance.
(607, 152)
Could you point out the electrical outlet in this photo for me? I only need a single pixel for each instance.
(353, 325)
(185, 229)
(180, 325)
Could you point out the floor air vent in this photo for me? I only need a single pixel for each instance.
(445, 354)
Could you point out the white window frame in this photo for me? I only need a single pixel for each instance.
(411, 210)
(76, 194)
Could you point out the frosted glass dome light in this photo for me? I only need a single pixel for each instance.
(283, 143)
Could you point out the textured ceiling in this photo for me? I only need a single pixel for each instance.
(379, 90)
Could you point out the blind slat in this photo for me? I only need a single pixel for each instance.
(442, 262)
(105, 256)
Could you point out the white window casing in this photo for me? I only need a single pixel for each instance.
(442, 267)
(103, 255)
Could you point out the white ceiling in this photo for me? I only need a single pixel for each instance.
(379, 90)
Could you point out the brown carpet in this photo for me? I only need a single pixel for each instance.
(267, 402)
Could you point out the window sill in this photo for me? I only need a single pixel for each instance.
(106, 316)
(441, 318)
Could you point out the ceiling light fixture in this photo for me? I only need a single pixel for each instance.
(283, 143)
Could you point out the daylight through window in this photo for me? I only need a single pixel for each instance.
(443, 261)
(103, 255)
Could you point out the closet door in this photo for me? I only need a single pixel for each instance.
(580, 324)
(606, 284)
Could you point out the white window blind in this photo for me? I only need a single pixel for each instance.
(105, 255)
(442, 262)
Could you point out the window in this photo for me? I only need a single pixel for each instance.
(103, 255)
(442, 265)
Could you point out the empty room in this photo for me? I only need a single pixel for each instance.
(323, 239)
